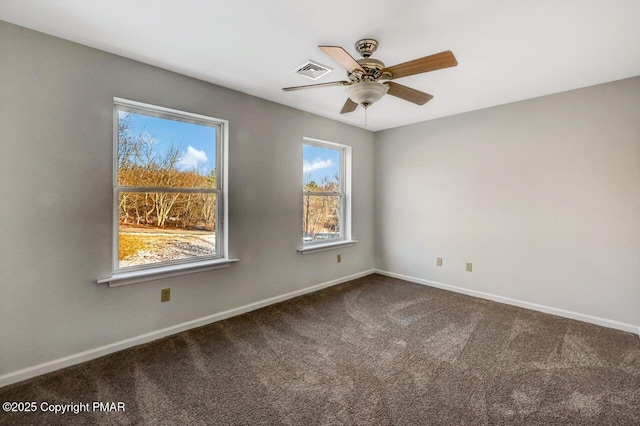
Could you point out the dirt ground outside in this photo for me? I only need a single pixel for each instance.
(142, 246)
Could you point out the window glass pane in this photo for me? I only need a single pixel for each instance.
(160, 152)
(321, 169)
(321, 217)
(161, 227)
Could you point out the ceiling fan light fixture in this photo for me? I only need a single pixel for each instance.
(366, 92)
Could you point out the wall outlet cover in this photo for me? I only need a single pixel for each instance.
(165, 295)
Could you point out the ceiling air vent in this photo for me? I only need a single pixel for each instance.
(312, 70)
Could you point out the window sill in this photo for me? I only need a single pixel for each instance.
(315, 248)
(133, 277)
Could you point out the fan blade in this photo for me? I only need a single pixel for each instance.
(428, 63)
(408, 94)
(342, 57)
(311, 86)
(349, 106)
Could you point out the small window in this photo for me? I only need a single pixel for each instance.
(326, 204)
(168, 192)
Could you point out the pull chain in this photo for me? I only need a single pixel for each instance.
(365, 116)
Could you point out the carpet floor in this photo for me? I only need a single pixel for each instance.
(373, 351)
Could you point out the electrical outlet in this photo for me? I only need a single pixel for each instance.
(469, 267)
(165, 295)
(339, 258)
(439, 261)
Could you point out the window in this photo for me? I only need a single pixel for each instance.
(169, 189)
(326, 193)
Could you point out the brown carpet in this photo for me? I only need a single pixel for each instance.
(374, 351)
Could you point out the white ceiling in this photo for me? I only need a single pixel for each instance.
(508, 50)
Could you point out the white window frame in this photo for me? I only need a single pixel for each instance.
(345, 199)
(133, 274)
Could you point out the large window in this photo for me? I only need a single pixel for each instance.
(168, 192)
(326, 204)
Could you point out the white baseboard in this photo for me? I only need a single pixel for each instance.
(57, 364)
(528, 305)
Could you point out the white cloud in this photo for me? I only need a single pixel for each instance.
(317, 164)
(191, 158)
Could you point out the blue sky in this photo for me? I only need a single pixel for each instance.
(196, 142)
(198, 151)
(318, 163)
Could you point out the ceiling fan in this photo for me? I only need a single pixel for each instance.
(369, 79)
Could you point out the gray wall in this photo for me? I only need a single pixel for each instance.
(543, 196)
(56, 183)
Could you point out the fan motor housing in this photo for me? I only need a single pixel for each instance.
(373, 68)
